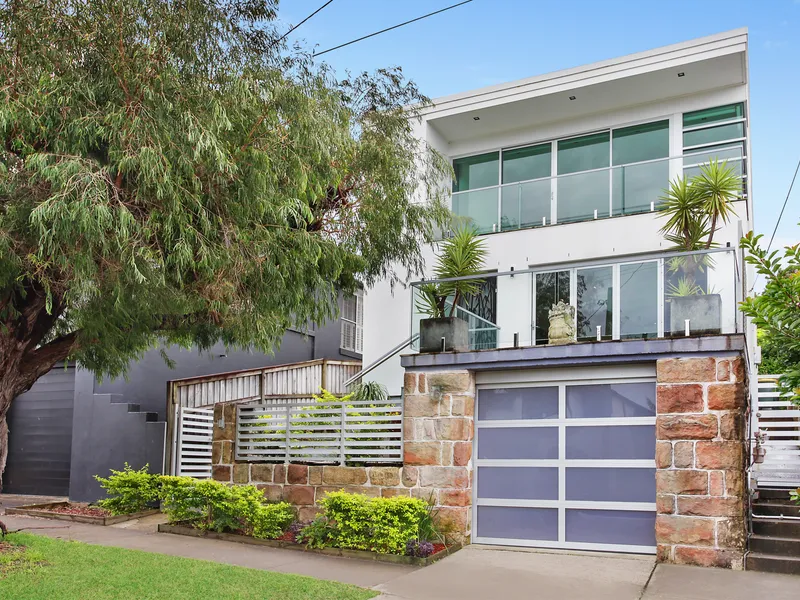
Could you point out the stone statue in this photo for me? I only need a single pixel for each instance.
(562, 323)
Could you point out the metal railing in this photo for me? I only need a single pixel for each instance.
(673, 294)
(777, 423)
(335, 432)
(583, 196)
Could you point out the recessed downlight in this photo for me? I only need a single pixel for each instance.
(476, 118)
(681, 74)
(572, 97)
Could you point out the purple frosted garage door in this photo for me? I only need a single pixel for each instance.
(567, 465)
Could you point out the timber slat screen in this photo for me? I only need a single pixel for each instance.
(295, 380)
(299, 430)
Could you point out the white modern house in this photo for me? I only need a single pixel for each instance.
(562, 174)
(620, 441)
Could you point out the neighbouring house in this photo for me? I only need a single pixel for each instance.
(69, 426)
(630, 439)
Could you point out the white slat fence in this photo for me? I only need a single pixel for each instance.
(194, 442)
(296, 430)
(777, 417)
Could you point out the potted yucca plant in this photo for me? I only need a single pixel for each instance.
(461, 255)
(694, 207)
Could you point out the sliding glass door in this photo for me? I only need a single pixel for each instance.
(623, 300)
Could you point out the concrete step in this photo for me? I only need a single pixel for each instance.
(772, 564)
(151, 417)
(788, 528)
(762, 544)
(134, 408)
(776, 509)
(773, 494)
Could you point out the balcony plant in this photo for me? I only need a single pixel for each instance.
(694, 208)
(461, 255)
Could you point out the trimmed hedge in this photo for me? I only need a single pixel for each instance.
(354, 521)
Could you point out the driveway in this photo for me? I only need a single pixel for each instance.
(481, 573)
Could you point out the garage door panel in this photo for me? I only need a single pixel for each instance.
(610, 484)
(518, 483)
(621, 442)
(611, 400)
(567, 464)
(519, 403)
(631, 527)
(518, 443)
(518, 523)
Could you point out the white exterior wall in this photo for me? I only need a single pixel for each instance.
(387, 316)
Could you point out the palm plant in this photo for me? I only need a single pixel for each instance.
(462, 255)
(694, 207)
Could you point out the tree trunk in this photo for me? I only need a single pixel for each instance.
(24, 355)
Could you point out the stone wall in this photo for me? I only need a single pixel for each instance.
(438, 431)
(700, 460)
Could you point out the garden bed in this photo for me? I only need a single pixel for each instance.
(77, 512)
(183, 529)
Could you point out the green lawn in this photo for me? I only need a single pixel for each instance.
(73, 570)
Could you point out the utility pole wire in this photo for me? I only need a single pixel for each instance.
(392, 27)
(789, 193)
(772, 237)
(283, 37)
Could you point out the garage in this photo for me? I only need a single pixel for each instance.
(565, 458)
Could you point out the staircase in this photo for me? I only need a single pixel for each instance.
(774, 544)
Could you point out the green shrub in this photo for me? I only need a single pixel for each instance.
(795, 495)
(378, 524)
(130, 491)
(271, 520)
(211, 505)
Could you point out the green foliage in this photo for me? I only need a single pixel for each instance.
(271, 520)
(776, 357)
(171, 171)
(131, 491)
(357, 522)
(461, 255)
(795, 495)
(370, 390)
(215, 506)
(694, 206)
(776, 311)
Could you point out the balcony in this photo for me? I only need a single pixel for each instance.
(628, 189)
(644, 297)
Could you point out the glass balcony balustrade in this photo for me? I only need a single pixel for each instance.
(646, 297)
(583, 196)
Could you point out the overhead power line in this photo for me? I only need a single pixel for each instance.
(774, 231)
(392, 27)
(283, 37)
(789, 193)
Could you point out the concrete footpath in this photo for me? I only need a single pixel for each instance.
(474, 573)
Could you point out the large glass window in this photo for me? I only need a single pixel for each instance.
(638, 299)
(595, 302)
(473, 202)
(581, 195)
(636, 186)
(550, 289)
(714, 134)
(474, 172)
(526, 203)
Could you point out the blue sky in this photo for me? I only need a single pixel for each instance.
(493, 41)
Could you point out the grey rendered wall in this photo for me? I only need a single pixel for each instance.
(40, 436)
(147, 379)
(107, 433)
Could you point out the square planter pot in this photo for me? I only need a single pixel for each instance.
(704, 312)
(455, 332)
